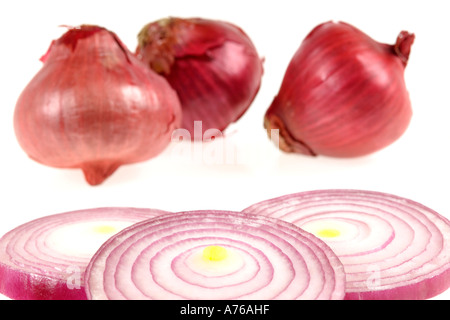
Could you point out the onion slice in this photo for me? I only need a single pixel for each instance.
(214, 255)
(391, 247)
(45, 259)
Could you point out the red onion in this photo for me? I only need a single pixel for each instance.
(343, 94)
(391, 247)
(95, 106)
(45, 259)
(214, 255)
(212, 65)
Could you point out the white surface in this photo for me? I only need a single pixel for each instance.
(416, 166)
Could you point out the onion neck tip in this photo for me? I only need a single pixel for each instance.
(403, 45)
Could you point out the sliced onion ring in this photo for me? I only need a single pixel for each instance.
(391, 247)
(45, 259)
(214, 255)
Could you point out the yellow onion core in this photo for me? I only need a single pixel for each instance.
(104, 229)
(215, 253)
(328, 233)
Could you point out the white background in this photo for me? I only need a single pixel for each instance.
(416, 166)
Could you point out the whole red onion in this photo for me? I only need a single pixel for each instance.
(212, 65)
(343, 94)
(95, 106)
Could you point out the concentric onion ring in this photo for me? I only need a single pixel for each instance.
(214, 255)
(391, 247)
(46, 258)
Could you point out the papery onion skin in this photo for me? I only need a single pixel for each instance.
(40, 273)
(93, 105)
(212, 65)
(409, 262)
(126, 266)
(343, 94)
